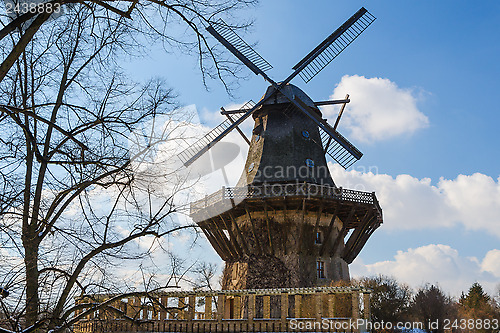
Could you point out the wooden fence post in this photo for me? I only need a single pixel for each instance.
(208, 307)
(318, 299)
(192, 307)
(220, 307)
(298, 301)
(284, 310)
(237, 307)
(267, 306)
(180, 304)
(366, 305)
(251, 308)
(163, 312)
(355, 308)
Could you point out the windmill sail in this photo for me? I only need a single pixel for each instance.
(334, 44)
(334, 144)
(201, 146)
(236, 45)
(337, 151)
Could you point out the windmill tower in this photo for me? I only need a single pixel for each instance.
(286, 223)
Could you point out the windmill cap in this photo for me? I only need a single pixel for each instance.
(291, 90)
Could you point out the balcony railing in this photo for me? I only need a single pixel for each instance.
(229, 195)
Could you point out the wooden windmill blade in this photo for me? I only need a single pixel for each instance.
(334, 144)
(333, 45)
(237, 46)
(191, 154)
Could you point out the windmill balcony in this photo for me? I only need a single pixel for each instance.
(266, 218)
(229, 197)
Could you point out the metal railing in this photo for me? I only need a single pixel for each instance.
(285, 190)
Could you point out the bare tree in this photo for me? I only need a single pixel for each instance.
(431, 307)
(205, 274)
(74, 196)
(390, 300)
(150, 17)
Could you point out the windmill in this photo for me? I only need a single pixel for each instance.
(344, 152)
(281, 227)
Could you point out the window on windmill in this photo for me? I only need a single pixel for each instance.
(320, 268)
(318, 238)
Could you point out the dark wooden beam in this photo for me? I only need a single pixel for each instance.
(237, 128)
(341, 112)
(320, 211)
(254, 231)
(329, 231)
(372, 226)
(222, 236)
(343, 231)
(302, 226)
(269, 234)
(354, 238)
(212, 229)
(338, 101)
(215, 245)
(283, 231)
(232, 236)
(220, 239)
(240, 235)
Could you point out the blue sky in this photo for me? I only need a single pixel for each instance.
(439, 57)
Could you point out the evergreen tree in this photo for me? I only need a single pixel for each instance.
(478, 307)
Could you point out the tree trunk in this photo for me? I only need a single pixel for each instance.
(31, 263)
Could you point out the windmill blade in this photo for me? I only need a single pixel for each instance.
(334, 144)
(341, 155)
(237, 46)
(333, 45)
(331, 143)
(201, 146)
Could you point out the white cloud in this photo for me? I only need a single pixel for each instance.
(491, 263)
(412, 203)
(378, 110)
(475, 199)
(435, 263)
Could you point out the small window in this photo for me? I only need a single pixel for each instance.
(305, 134)
(310, 163)
(250, 167)
(318, 239)
(320, 268)
(257, 138)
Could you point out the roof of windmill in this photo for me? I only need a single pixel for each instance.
(291, 90)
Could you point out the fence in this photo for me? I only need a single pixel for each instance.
(257, 310)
